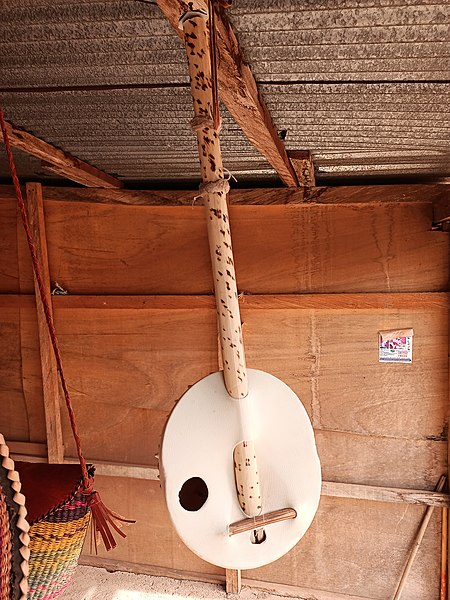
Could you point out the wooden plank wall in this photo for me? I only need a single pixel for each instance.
(318, 281)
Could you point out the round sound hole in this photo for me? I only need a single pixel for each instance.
(193, 494)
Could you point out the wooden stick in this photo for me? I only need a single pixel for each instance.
(417, 542)
(50, 384)
(227, 301)
(275, 516)
(444, 544)
(233, 581)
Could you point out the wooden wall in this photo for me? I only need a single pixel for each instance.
(319, 280)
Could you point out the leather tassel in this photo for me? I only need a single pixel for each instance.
(103, 522)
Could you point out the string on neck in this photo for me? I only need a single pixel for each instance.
(213, 60)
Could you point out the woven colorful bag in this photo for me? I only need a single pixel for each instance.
(59, 514)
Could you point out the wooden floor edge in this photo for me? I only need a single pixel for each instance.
(277, 588)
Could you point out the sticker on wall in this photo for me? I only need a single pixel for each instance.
(396, 345)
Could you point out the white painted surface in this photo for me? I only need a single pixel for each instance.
(199, 440)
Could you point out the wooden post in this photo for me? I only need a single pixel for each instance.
(233, 581)
(444, 549)
(35, 211)
(448, 456)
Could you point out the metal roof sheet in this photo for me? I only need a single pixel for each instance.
(363, 85)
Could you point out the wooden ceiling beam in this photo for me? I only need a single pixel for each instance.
(436, 194)
(238, 90)
(60, 162)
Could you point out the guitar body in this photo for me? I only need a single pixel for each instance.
(198, 443)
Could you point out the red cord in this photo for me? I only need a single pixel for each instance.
(47, 310)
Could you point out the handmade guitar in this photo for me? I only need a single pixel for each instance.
(239, 443)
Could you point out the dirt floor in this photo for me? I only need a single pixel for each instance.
(92, 583)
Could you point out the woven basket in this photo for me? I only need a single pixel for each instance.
(56, 541)
(57, 536)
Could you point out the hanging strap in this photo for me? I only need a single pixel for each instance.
(102, 516)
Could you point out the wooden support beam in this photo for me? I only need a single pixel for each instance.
(238, 89)
(34, 453)
(384, 494)
(304, 167)
(50, 383)
(340, 302)
(60, 162)
(359, 195)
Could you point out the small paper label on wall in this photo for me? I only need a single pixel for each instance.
(396, 345)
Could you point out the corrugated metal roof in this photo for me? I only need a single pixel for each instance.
(363, 85)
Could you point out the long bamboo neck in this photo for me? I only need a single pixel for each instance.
(214, 190)
(230, 329)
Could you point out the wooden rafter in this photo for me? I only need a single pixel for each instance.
(238, 90)
(436, 194)
(60, 162)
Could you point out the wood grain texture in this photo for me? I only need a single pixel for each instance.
(331, 361)
(152, 540)
(370, 569)
(233, 581)
(50, 381)
(387, 461)
(65, 164)
(390, 527)
(135, 375)
(441, 208)
(379, 194)
(238, 90)
(9, 265)
(414, 302)
(15, 418)
(278, 249)
(276, 516)
(28, 452)
(385, 494)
